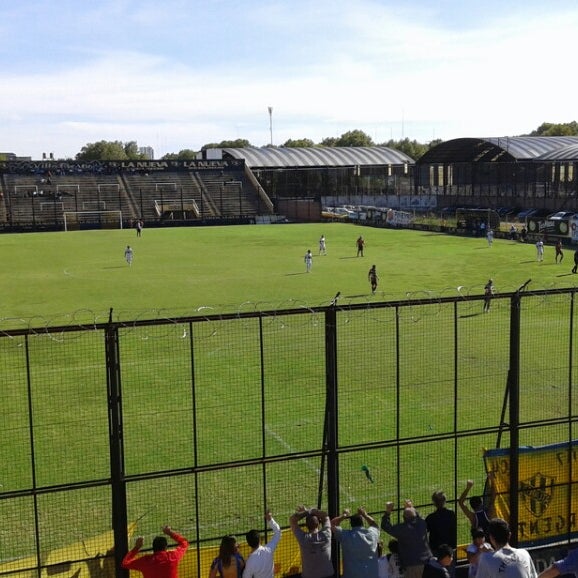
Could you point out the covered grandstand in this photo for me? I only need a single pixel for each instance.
(520, 171)
(300, 181)
(263, 184)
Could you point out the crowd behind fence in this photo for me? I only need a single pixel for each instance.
(114, 429)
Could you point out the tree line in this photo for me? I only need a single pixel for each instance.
(117, 150)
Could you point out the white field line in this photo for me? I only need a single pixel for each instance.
(306, 461)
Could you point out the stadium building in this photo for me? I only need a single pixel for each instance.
(523, 172)
(248, 185)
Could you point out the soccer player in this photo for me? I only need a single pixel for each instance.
(575, 268)
(489, 291)
(322, 247)
(360, 246)
(128, 255)
(373, 279)
(308, 260)
(540, 250)
(559, 252)
(490, 236)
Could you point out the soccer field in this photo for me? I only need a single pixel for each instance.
(247, 395)
(53, 276)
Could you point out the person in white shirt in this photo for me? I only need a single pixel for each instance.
(308, 260)
(260, 561)
(128, 255)
(540, 250)
(505, 561)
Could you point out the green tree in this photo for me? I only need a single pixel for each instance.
(329, 141)
(299, 143)
(109, 151)
(239, 143)
(182, 155)
(411, 148)
(556, 129)
(354, 138)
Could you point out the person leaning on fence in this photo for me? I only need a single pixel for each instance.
(414, 550)
(229, 563)
(260, 563)
(358, 545)
(162, 563)
(314, 543)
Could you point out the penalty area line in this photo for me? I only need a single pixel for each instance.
(306, 461)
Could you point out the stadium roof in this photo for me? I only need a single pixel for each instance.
(517, 148)
(567, 153)
(280, 157)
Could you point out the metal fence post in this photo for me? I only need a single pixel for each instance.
(330, 434)
(514, 414)
(118, 488)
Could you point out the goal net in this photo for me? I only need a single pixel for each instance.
(78, 220)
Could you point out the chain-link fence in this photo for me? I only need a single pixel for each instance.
(204, 423)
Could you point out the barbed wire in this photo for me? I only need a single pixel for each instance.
(410, 306)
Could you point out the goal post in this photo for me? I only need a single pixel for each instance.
(79, 220)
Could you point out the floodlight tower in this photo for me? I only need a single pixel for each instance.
(270, 108)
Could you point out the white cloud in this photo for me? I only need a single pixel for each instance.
(325, 68)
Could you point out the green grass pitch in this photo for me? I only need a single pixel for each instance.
(182, 269)
(60, 278)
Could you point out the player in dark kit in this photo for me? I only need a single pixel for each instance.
(559, 252)
(373, 279)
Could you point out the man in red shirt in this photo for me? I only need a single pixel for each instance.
(161, 563)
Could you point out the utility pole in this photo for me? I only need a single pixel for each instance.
(271, 123)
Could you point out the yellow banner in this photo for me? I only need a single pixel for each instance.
(547, 504)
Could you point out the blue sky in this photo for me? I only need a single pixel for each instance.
(178, 74)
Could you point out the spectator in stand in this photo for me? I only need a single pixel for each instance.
(314, 543)
(505, 561)
(568, 565)
(478, 514)
(438, 567)
(474, 550)
(162, 563)
(229, 563)
(414, 550)
(260, 561)
(441, 524)
(358, 545)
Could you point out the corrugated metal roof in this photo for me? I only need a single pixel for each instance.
(279, 157)
(517, 148)
(567, 153)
